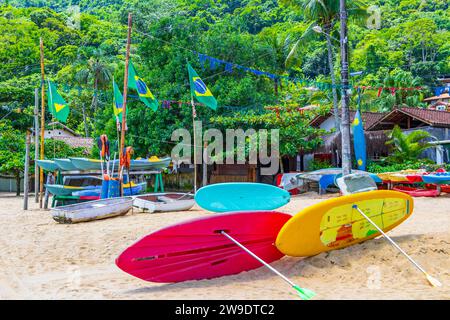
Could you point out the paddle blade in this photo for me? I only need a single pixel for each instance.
(433, 281)
(304, 293)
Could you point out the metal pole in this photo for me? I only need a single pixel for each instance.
(437, 283)
(41, 172)
(195, 144)
(36, 145)
(25, 175)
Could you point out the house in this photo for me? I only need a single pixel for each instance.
(436, 122)
(441, 100)
(376, 125)
(59, 131)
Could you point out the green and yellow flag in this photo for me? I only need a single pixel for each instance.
(137, 83)
(117, 102)
(57, 106)
(200, 91)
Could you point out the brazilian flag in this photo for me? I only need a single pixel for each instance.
(200, 91)
(137, 83)
(359, 141)
(117, 102)
(57, 106)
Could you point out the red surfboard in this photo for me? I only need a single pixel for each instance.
(196, 250)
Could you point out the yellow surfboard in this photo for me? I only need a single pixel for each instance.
(335, 223)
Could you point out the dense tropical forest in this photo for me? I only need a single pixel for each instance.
(247, 52)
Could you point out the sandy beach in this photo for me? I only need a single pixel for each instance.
(41, 259)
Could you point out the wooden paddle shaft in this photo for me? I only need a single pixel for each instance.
(258, 258)
(390, 240)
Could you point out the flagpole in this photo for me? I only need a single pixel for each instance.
(41, 172)
(125, 89)
(195, 143)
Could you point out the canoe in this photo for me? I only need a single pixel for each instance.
(437, 178)
(417, 192)
(164, 202)
(92, 210)
(65, 164)
(140, 164)
(63, 190)
(48, 165)
(399, 176)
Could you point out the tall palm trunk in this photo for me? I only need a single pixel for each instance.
(94, 98)
(345, 126)
(333, 80)
(86, 134)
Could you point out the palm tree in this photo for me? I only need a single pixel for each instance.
(322, 16)
(97, 72)
(407, 146)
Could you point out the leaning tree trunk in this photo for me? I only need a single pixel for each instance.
(345, 126)
(333, 81)
(18, 183)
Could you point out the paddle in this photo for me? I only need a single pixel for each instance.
(434, 282)
(184, 195)
(304, 294)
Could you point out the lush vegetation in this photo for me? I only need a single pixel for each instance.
(409, 48)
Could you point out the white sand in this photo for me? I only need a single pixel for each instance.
(41, 259)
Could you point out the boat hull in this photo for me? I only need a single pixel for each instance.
(164, 202)
(92, 210)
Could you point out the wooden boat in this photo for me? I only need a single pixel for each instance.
(138, 164)
(48, 165)
(417, 192)
(92, 210)
(164, 202)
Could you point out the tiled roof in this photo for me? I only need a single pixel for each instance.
(439, 97)
(77, 142)
(369, 118)
(432, 117)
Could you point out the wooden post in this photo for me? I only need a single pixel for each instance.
(50, 180)
(41, 172)
(36, 144)
(125, 91)
(26, 173)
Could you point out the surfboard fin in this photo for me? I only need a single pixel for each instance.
(304, 293)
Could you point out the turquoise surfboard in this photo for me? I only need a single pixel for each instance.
(241, 196)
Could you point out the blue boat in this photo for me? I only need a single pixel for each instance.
(48, 165)
(241, 196)
(437, 178)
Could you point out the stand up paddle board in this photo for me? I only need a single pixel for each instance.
(196, 249)
(241, 196)
(335, 223)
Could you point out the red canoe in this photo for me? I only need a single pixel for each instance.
(416, 192)
(196, 250)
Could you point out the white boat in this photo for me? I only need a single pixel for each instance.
(164, 202)
(92, 210)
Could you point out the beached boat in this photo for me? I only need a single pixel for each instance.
(63, 190)
(92, 210)
(417, 192)
(48, 165)
(65, 164)
(164, 202)
(138, 164)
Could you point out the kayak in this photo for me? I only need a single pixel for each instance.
(437, 178)
(96, 192)
(417, 192)
(62, 190)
